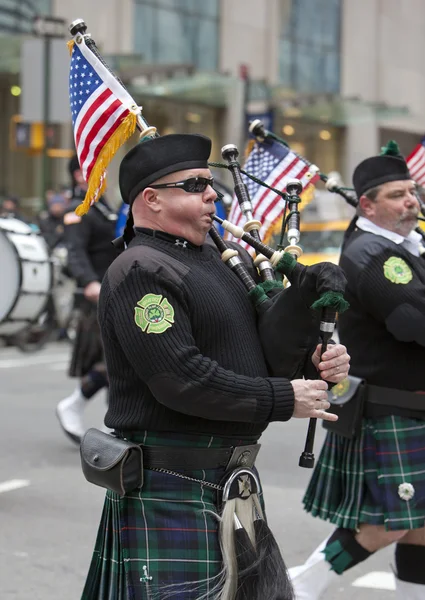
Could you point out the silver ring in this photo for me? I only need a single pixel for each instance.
(337, 369)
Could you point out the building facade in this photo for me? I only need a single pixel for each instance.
(335, 78)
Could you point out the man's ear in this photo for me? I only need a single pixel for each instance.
(151, 199)
(367, 206)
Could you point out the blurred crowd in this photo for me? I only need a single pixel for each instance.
(48, 222)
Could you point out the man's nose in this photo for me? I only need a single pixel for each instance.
(210, 195)
(411, 199)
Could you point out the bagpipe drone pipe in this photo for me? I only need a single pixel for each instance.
(291, 319)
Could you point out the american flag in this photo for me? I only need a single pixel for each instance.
(274, 164)
(103, 117)
(416, 163)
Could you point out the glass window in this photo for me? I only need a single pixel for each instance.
(16, 16)
(177, 32)
(309, 51)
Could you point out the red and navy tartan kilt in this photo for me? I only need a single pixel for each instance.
(161, 541)
(358, 481)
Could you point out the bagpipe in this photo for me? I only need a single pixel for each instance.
(291, 319)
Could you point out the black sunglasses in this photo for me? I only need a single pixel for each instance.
(193, 185)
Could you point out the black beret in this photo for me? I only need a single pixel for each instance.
(377, 170)
(152, 159)
(73, 165)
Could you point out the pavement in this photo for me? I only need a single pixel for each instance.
(49, 514)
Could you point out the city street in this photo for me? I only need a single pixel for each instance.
(49, 514)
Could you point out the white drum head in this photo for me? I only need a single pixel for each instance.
(10, 271)
(14, 225)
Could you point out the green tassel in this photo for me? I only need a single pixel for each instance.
(337, 557)
(333, 300)
(391, 149)
(286, 264)
(270, 285)
(258, 295)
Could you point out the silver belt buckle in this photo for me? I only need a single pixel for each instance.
(243, 456)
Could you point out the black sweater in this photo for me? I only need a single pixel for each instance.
(384, 329)
(200, 367)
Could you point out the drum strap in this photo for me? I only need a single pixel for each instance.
(106, 211)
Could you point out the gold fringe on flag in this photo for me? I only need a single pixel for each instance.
(70, 45)
(97, 182)
(249, 147)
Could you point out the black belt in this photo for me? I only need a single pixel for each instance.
(398, 398)
(174, 458)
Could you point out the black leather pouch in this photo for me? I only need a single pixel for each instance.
(347, 400)
(111, 462)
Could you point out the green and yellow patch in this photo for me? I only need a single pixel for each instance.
(153, 314)
(341, 388)
(397, 270)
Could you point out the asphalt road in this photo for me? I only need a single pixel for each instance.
(48, 526)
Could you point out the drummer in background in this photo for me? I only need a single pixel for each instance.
(90, 252)
(50, 221)
(10, 207)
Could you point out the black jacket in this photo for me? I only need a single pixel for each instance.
(384, 328)
(51, 229)
(88, 240)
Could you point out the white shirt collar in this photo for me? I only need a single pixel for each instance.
(412, 242)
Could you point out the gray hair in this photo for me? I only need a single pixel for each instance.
(371, 194)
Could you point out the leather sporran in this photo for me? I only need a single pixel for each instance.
(347, 400)
(111, 462)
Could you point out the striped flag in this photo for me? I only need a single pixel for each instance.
(103, 117)
(416, 163)
(274, 164)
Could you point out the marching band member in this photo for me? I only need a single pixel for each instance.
(90, 252)
(189, 382)
(372, 487)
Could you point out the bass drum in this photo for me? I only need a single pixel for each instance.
(26, 276)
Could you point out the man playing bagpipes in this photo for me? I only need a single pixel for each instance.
(190, 391)
(187, 374)
(370, 478)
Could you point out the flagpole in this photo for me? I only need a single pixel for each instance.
(79, 27)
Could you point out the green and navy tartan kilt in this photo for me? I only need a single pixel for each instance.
(358, 481)
(161, 541)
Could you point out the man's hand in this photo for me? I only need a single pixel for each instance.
(92, 291)
(311, 399)
(335, 362)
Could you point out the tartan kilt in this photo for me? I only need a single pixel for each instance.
(357, 481)
(160, 541)
(87, 350)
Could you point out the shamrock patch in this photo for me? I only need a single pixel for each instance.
(397, 270)
(153, 314)
(340, 389)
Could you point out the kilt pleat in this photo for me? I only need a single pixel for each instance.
(107, 580)
(358, 481)
(334, 491)
(160, 542)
